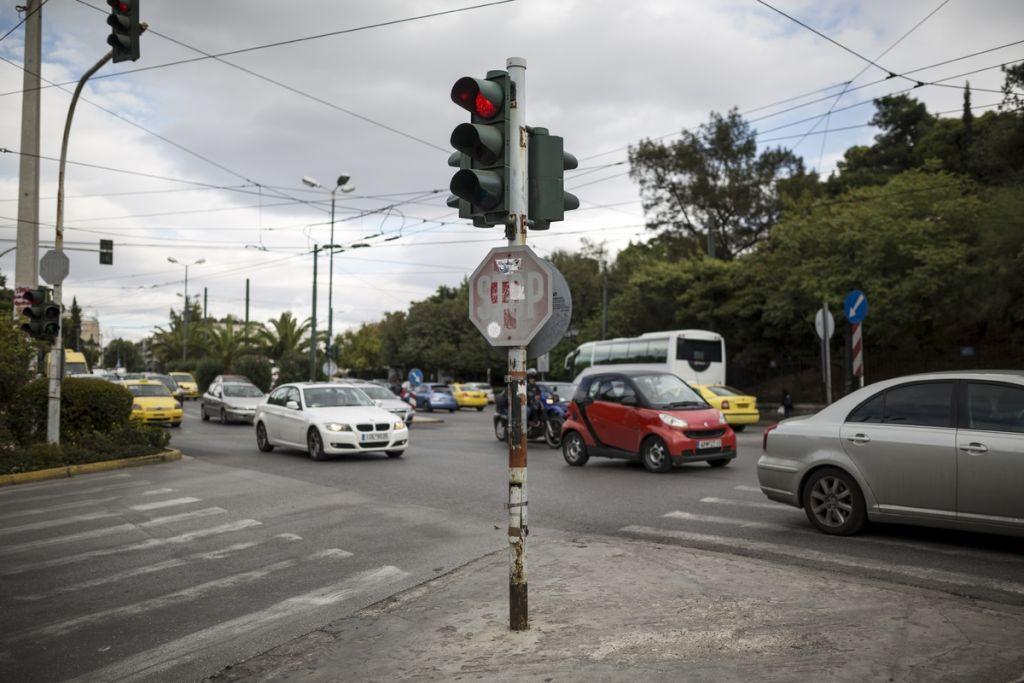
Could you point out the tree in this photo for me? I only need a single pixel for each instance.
(71, 327)
(125, 354)
(227, 342)
(169, 342)
(712, 185)
(284, 336)
(359, 349)
(16, 354)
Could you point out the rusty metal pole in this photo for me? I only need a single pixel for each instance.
(518, 612)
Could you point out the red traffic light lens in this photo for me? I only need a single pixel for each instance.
(484, 107)
(482, 97)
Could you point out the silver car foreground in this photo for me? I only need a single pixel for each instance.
(939, 449)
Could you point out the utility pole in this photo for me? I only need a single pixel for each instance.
(312, 319)
(245, 336)
(26, 267)
(604, 299)
(515, 231)
(204, 304)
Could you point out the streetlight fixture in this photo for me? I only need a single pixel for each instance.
(342, 185)
(184, 344)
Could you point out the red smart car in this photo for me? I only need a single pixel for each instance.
(654, 417)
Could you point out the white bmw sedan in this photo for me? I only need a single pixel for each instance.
(327, 419)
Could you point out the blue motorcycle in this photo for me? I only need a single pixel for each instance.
(544, 421)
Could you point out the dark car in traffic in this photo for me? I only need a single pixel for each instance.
(654, 417)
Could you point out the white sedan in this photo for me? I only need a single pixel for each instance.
(327, 419)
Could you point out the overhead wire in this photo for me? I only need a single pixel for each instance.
(23, 19)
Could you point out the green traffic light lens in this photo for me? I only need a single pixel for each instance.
(480, 188)
(485, 144)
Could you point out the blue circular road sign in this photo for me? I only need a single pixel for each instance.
(855, 306)
(416, 376)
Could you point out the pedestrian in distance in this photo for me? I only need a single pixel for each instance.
(787, 403)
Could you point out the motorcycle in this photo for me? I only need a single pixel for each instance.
(545, 423)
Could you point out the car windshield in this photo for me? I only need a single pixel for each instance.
(440, 390)
(563, 389)
(242, 391)
(725, 391)
(183, 377)
(335, 397)
(166, 380)
(667, 391)
(148, 390)
(375, 392)
(75, 369)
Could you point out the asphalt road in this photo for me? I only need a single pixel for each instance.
(174, 571)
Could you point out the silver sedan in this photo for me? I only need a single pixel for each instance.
(939, 449)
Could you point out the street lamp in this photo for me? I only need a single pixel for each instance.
(342, 185)
(184, 344)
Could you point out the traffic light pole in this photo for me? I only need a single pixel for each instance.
(26, 266)
(515, 231)
(57, 350)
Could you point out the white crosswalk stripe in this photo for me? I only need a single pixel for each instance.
(743, 503)
(744, 487)
(156, 505)
(57, 508)
(50, 523)
(64, 484)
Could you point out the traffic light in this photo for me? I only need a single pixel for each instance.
(41, 317)
(548, 200)
(124, 29)
(480, 186)
(106, 252)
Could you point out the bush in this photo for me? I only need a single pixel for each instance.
(87, 406)
(205, 370)
(256, 368)
(129, 441)
(15, 354)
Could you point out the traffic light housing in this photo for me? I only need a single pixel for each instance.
(480, 186)
(106, 252)
(41, 317)
(124, 29)
(548, 161)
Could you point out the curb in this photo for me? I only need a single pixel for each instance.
(167, 455)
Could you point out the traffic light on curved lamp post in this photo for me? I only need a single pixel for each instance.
(480, 186)
(124, 30)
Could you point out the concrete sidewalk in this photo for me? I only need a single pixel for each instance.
(615, 609)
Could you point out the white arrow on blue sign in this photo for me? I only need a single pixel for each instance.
(855, 306)
(415, 376)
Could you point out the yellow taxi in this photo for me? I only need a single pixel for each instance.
(739, 409)
(468, 396)
(152, 402)
(187, 383)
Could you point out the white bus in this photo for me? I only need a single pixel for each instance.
(697, 356)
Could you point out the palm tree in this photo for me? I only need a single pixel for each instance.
(227, 343)
(284, 336)
(168, 343)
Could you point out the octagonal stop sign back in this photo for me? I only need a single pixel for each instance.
(510, 295)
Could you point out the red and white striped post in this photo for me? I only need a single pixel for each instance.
(857, 349)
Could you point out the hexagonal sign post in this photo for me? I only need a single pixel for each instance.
(510, 295)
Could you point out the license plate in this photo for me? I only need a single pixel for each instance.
(742, 405)
(710, 443)
(367, 438)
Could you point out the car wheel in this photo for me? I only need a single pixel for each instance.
(202, 413)
(262, 441)
(315, 445)
(451, 410)
(833, 502)
(655, 456)
(500, 430)
(574, 450)
(719, 462)
(738, 428)
(395, 454)
(430, 408)
(223, 417)
(479, 409)
(176, 424)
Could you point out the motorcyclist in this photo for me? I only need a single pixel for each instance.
(534, 405)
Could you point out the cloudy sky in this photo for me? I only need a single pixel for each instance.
(219, 147)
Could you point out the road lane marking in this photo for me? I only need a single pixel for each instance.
(149, 664)
(711, 519)
(752, 489)
(182, 516)
(65, 494)
(66, 483)
(163, 504)
(144, 545)
(743, 503)
(826, 558)
(191, 593)
(290, 537)
(70, 538)
(55, 508)
(153, 492)
(148, 569)
(62, 521)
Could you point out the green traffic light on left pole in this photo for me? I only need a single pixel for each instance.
(41, 317)
(124, 30)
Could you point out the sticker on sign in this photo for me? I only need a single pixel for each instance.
(510, 296)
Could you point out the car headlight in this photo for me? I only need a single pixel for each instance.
(673, 421)
(399, 425)
(337, 427)
(550, 401)
(137, 406)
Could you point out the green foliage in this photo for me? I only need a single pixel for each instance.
(204, 370)
(256, 368)
(359, 349)
(87, 406)
(284, 335)
(128, 353)
(128, 441)
(294, 367)
(15, 355)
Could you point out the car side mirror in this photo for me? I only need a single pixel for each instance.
(628, 400)
(292, 405)
(378, 403)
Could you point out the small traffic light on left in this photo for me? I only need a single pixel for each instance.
(124, 29)
(40, 317)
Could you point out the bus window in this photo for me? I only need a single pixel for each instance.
(657, 351)
(637, 352)
(601, 353)
(619, 353)
(699, 353)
